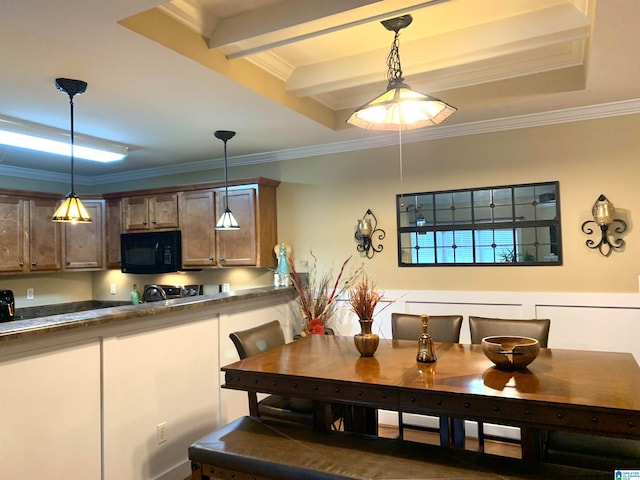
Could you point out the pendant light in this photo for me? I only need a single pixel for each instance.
(226, 221)
(71, 208)
(399, 108)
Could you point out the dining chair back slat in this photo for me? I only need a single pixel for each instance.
(482, 327)
(442, 328)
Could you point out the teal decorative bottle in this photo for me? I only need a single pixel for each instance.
(135, 296)
(282, 273)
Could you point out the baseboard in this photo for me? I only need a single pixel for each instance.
(182, 471)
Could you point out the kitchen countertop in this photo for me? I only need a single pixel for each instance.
(103, 316)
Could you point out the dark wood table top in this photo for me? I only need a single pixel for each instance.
(579, 390)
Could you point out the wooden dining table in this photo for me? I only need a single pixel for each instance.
(575, 390)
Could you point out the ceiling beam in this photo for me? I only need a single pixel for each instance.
(551, 27)
(271, 20)
(294, 20)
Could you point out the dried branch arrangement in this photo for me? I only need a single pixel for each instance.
(364, 297)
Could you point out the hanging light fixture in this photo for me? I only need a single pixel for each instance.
(399, 107)
(226, 221)
(71, 208)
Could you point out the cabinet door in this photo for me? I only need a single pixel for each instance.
(114, 229)
(45, 251)
(158, 212)
(84, 242)
(164, 211)
(197, 222)
(238, 247)
(136, 213)
(12, 233)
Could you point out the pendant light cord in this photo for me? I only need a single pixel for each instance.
(73, 189)
(226, 179)
(401, 173)
(394, 69)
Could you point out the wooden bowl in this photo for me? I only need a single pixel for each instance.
(510, 352)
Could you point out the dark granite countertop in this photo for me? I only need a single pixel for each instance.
(29, 327)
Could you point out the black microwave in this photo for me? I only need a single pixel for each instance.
(151, 252)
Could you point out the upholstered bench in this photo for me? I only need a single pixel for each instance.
(252, 448)
(591, 451)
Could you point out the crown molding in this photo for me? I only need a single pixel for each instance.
(576, 114)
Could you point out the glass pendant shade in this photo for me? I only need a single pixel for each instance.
(227, 221)
(603, 211)
(71, 210)
(400, 108)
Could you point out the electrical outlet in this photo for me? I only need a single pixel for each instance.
(30, 294)
(162, 432)
(113, 289)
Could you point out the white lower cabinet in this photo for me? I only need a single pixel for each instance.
(50, 412)
(88, 404)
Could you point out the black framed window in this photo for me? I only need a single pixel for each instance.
(503, 225)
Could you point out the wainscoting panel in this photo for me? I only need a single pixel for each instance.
(593, 328)
(588, 321)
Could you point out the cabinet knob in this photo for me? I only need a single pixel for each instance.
(144, 222)
(68, 262)
(21, 264)
(221, 259)
(153, 221)
(33, 264)
(211, 257)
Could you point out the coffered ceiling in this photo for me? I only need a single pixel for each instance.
(285, 74)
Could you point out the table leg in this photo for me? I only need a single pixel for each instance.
(457, 433)
(361, 419)
(452, 432)
(322, 416)
(531, 439)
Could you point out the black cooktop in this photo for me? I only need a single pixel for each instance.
(156, 293)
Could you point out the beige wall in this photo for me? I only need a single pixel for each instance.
(320, 199)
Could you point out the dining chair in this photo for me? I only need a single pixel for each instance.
(442, 328)
(283, 408)
(482, 327)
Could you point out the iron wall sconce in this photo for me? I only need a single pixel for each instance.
(603, 216)
(367, 229)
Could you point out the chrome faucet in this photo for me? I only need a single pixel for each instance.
(153, 290)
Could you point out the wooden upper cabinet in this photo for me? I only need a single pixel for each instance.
(84, 243)
(254, 207)
(44, 242)
(197, 222)
(31, 243)
(238, 247)
(113, 220)
(157, 212)
(13, 212)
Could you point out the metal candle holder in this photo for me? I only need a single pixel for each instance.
(367, 229)
(603, 214)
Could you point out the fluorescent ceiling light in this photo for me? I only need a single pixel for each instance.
(19, 133)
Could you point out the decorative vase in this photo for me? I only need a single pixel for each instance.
(366, 342)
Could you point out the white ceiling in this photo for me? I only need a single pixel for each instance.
(285, 74)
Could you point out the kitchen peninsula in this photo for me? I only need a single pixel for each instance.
(93, 389)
